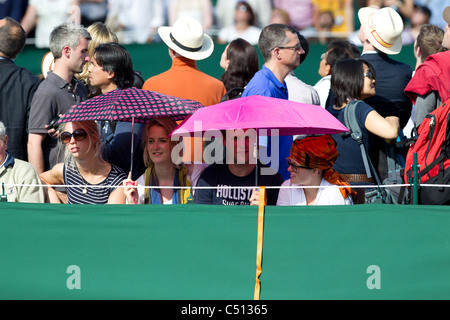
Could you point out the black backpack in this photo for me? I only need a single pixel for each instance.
(392, 194)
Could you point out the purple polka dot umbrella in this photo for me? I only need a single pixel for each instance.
(131, 104)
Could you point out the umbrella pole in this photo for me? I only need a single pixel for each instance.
(132, 145)
(257, 157)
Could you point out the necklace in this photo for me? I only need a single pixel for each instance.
(85, 190)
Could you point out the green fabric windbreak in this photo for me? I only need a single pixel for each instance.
(193, 252)
(326, 252)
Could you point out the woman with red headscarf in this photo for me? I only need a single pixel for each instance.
(311, 169)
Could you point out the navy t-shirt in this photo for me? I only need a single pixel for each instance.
(218, 175)
(350, 159)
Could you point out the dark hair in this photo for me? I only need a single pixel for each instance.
(272, 36)
(242, 67)
(249, 9)
(12, 38)
(305, 46)
(112, 57)
(340, 50)
(347, 79)
(423, 9)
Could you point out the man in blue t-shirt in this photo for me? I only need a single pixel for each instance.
(281, 50)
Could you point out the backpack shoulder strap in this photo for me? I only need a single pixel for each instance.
(351, 123)
(356, 133)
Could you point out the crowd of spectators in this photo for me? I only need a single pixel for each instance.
(90, 60)
(137, 21)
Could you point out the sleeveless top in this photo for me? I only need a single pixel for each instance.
(94, 194)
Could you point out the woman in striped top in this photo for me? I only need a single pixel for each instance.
(89, 178)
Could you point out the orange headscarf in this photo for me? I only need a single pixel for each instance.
(320, 152)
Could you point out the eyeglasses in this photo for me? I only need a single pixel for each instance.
(369, 75)
(242, 8)
(78, 135)
(297, 47)
(322, 56)
(294, 166)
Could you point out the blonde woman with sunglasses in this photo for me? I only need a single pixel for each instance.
(89, 178)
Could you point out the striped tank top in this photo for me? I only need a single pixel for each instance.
(94, 195)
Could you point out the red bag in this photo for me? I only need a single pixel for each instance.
(433, 153)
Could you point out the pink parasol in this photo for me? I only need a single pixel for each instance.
(258, 112)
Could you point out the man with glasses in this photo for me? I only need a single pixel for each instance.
(281, 50)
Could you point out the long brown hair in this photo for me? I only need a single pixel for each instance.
(243, 64)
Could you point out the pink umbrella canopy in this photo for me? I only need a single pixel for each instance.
(129, 104)
(258, 112)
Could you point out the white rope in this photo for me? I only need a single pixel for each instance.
(229, 187)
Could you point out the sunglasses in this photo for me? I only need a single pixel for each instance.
(369, 75)
(294, 166)
(78, 135)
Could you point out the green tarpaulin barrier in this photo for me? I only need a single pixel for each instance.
(195, 252)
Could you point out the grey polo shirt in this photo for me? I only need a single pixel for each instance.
(53, 97)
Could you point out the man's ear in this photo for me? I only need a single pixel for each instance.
(67, 51)
(276, 53)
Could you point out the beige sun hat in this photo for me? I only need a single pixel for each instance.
(383, 27)
(446, 15)
(187, 38)
(47, 64)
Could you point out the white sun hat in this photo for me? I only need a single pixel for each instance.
(383, 27)
(187, 38)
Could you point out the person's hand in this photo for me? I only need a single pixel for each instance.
(130, 189)
(52, 127)
(52, 132)
(254, 198)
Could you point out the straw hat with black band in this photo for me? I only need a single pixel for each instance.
(187, 38)
(383, 27)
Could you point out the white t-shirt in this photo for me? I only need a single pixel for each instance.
(328, 194)
(323, 89)
(51, 13)
(230, 33)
